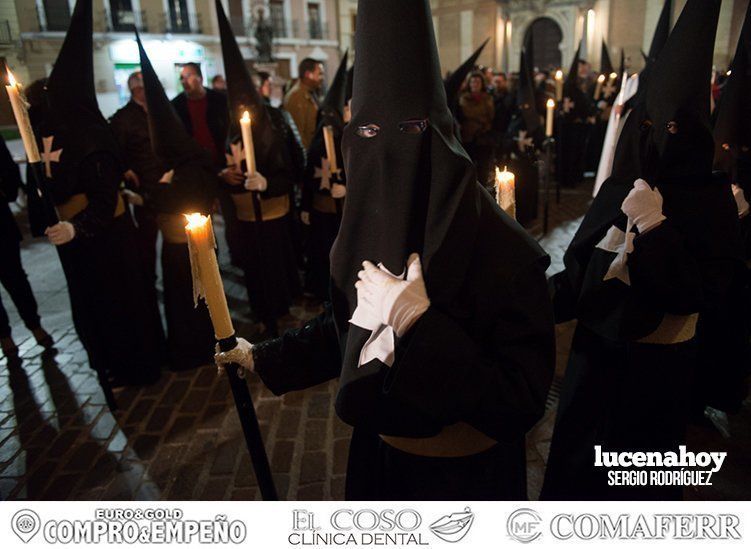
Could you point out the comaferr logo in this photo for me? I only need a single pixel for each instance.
(524, 525)
(697, 526)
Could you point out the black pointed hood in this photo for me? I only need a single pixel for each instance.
(662, 32)
(170, 140)
(732, 129)
(621, 73)
(454, 81)
(331, 110)
(411, 189)
(243, 96)
(71, 112)
(525, 98)
(679, 88)
(572, 91)
(678, 164)
(606, 67)
(350, 82)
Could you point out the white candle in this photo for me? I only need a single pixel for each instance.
(558, 85)
(549, 118)
(207, 282)
(505, 188)
(613, 76)
(247, 133)
(21, 113)
(598, 88)
(328, 138)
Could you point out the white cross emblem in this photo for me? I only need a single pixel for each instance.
(166, 179)
(523, 141)
(618, 242)
(568, 105)
(324, 173)
(48, 155)
(237, 154)
(608, 90)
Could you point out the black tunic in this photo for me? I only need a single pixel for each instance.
(111, 312)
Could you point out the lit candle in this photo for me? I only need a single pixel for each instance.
(505, 188)
(598, 88)
(207, 282)
(613, 76)
(21, 112)
(328, 137)
(250, 155)
(549, 118)
(558, 85)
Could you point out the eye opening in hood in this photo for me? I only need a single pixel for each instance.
(414, 126)
(368, 131)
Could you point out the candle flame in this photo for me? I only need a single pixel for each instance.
(11, 78)
(559, 74)
(195, 221)
(601, 78)
(551, 104)
(246, 117)
(727, 73)
(613, 75)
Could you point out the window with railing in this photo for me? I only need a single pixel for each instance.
(278, 18)
(178, 18)
(315, 29)
(6, 37)
(122, 16)
(56, 14)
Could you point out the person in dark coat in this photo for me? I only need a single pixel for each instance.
(186, 185)
(575, 112)
(95, 237)
(445, 365)
(12, 275)
(723, 333)
(324, 190)
(262, 199)
(658, 248)
(523, 139)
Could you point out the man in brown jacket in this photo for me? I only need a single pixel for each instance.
(301, 101)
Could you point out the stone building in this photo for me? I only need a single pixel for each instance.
(559, 25)
(173, 32)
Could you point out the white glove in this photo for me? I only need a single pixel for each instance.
(398, 302)
(61, 233)
(133, 198)
(643, 206)
(740, 200)
(338, 190)
(305, 218)
(256, 182)
(242, 355)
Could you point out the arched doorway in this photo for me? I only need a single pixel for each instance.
(546, 38)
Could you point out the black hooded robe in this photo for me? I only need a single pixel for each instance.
(474, 370)
(630, 372)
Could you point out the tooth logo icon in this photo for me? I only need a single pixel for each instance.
(25, 523)
(452, 528)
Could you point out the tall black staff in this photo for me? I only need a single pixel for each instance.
(207, 283)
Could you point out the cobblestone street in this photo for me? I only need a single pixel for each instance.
(181, 439)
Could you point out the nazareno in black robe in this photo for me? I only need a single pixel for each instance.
(621, 391)
(265, 244)
(111, 311)
(325, 212)
(483, 353)
(190, 335)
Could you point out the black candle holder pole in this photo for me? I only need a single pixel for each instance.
(249, 422)
(548, 146)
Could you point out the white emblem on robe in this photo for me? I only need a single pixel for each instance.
(48, 155)
(622, 244)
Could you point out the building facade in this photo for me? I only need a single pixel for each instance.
(173, 32)
(559, 26)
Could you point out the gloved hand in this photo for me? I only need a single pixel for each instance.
(740, 201)
(256, 182)
(338, 190)
(133, 198)
(242, 355)
(400, 303)
(643, 206)
(305, 218)
(61, 233)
